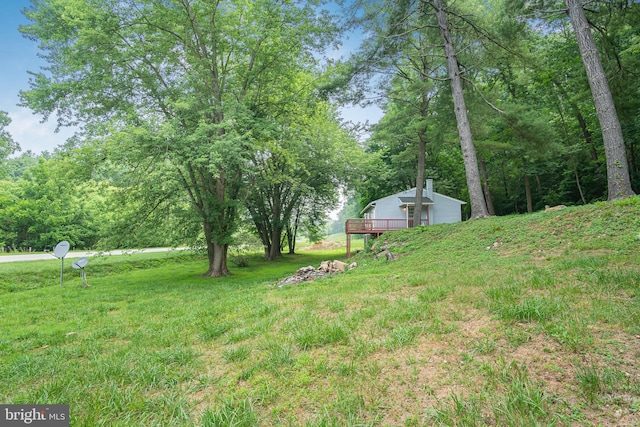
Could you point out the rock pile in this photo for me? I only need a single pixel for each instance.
(381, 250)
(310, 273)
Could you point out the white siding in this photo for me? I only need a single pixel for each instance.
(389, 208)
(445, 209)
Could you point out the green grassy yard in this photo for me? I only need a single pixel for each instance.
(523, 320)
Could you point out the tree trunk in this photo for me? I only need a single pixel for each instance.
(477, 201)
(485, 186)
(422, 148)
(292, 232)
(417, 211)
(586, 133)
(575, 170)
(276, 235)
(291, 240)
(216, 253)
(527, 190)
(618, 181)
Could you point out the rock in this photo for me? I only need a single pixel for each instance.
(309, 273)
(548, 208)
(325, 266)
(494, 245)
(305, 270)
(389, 255)
(339, 266)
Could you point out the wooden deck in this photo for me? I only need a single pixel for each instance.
(376, 227)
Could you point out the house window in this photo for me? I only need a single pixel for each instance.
(411, 210)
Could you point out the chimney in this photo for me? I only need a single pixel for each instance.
(429, 188)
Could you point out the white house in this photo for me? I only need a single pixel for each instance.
(436, 208)
(395, 212)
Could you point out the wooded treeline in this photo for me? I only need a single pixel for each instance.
(530, 112)
(197, 117)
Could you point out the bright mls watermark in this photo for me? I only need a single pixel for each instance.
(34, 415)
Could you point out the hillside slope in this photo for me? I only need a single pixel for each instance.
(524, 320)
(602, 228)
(533, 319)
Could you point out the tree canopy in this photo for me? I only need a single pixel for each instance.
(179, 92)
(196, 115)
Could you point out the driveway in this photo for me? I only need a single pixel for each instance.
(76, 254)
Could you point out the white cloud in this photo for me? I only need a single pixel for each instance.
(28, 131)
(358, 114)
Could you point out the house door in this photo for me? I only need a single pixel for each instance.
(425, 215)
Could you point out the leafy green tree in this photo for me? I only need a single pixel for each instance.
(7, 145)
(618, 177)
(619, 182)
(48, 205)
(18, 165)
(175, 85)
(301, 163)
(8, 199)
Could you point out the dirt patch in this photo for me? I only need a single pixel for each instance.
(324, 245)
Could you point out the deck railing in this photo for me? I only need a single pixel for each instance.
(365, 226)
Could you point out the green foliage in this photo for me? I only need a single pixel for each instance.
(48, 205)
(294, 174)
(7, 145)
(185, 122)
(530, 106)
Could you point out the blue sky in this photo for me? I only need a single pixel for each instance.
(19, 55)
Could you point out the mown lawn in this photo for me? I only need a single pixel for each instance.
(524, 320)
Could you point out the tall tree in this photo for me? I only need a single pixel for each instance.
(301, 161)
(476, 194)
(403, 42)
(177, 82)
(619, 182)
(617, 169)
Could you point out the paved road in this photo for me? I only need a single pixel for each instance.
(75, 254)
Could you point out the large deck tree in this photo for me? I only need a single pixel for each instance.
(177, 81)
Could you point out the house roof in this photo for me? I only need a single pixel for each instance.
(412, 201)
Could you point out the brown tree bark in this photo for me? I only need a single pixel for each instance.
(417, 211)
(485, 186)
(422, 155)
(476, 196)
(527, 190)
(216, 253)
(618, 180)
